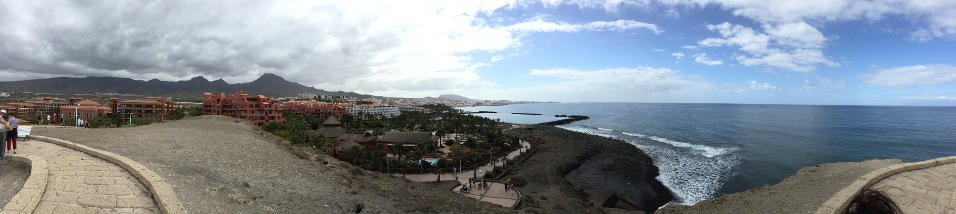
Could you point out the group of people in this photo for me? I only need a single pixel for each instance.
(8, 132)
(53, 119)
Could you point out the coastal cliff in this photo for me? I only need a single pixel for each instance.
(573, 172)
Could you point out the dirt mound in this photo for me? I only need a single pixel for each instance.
(223, 165)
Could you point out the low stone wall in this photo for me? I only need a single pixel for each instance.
(27, 199)
(838, 203)
(162, 192)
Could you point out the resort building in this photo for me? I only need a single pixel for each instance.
(381, 109)
(85, 109)
(151, 107)
(257, 109)
(32, 108)
(315, 109)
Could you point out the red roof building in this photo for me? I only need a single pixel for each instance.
(257, 109)
(150, 107)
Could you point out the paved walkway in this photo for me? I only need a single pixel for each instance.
(80, 183)
(929, 190)
(495, 193)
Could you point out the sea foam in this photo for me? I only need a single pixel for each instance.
(694, 173)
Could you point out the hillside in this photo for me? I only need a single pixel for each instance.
(267, 84)
(218, 164)
(454, 97)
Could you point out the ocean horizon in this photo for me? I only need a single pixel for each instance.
(705, 150)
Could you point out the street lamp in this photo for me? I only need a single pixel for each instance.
(76, 114)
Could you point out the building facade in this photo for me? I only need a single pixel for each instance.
(315, 109)
(150, 107)
(378, 109)
(86, 110)
(257, 109)
(34, 108)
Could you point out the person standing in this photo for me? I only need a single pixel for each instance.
(12, 134)
(49, 121)
(3, 131)
(54, 119)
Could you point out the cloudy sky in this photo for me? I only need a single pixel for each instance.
(874, 52)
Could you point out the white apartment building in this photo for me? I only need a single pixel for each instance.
(383, 109)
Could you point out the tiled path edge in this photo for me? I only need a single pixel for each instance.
(162, 192)
(27, 199)
(839, 201)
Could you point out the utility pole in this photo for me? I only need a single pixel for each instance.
(76, 113)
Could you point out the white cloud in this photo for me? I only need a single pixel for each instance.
(538, 25)
(672, 13)
(795, 46)
(678, 55)
(386, 48)
(753, 85)
(916, 75)
(657, 50)
(615, 84)
(702, 58)
(933, 18)
(796, 34)
(689, 47)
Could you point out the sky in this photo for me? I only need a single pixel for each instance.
(839, 52)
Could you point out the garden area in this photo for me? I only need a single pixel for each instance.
(466, 141)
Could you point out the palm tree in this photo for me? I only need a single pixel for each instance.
(438, 172)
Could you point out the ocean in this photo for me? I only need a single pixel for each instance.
(707, 150)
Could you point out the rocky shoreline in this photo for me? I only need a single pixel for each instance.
(575, 172)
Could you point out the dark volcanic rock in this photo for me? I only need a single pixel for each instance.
(569, 163)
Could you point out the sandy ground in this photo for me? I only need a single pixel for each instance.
(803, 192)
(12, 177)
(224, 165)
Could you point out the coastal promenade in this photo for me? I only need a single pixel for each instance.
(920, 187)
(929, 190)
(81, 183)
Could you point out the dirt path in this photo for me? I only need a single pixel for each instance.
(80, 183)
(12, 177)
(225, 165)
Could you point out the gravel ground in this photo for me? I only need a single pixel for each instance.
(223, 165)
(803, 192)
(569, 163)
(12, 177)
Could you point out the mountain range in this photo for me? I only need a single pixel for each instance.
(268, 84)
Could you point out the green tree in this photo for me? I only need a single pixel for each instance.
(438, 172)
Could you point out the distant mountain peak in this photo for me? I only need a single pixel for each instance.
(268, 84)
(270, 77)
(198, 79)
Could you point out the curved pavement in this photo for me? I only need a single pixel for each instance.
(81, 183)
(929, 190)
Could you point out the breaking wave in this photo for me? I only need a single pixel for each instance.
(692, 172)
